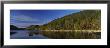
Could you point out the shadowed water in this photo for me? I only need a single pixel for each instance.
(24, 34)
(36, 34)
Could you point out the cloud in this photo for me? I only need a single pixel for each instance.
(25, 21)
(23, 18)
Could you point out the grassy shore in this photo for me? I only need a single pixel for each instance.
(73, 30)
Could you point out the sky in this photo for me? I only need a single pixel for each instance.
(25, 18)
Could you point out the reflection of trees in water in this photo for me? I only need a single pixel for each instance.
(72, 35)
(33, 32)
(11, 33)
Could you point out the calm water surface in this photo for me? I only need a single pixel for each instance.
(34, 34)
(23, 34)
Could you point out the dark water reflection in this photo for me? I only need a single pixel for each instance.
(37, 34)
(25, 34)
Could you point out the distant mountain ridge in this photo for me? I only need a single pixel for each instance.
(83, 20)
(13, 27)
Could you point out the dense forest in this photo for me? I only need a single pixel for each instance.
(83, 20)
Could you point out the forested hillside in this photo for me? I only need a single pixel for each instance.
(83, 20)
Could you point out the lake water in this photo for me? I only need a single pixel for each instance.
(23, 34)
(37, 34)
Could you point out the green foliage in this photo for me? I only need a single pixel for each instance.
(83, 20)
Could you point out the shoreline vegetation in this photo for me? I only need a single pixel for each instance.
(74, 30)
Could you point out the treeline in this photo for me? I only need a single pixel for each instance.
(83, 20)
(12, 27)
